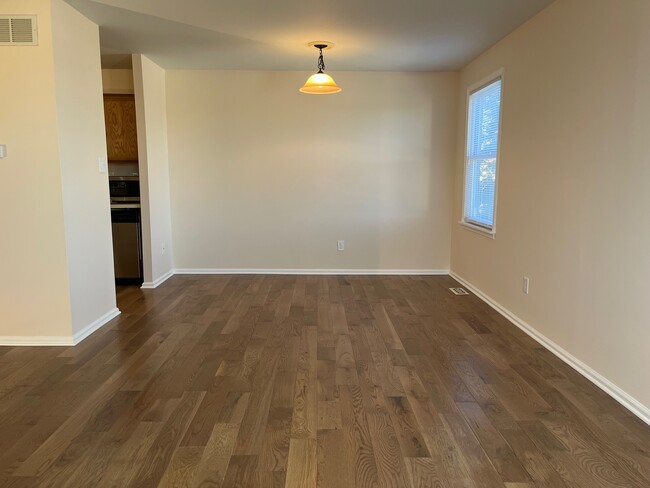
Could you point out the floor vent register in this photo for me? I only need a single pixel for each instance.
(459, 291)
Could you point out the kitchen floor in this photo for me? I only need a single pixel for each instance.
(305, 381)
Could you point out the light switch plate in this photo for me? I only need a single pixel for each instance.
(103, 166)
(3, 151)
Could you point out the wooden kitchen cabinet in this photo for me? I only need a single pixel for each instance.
(121, 129)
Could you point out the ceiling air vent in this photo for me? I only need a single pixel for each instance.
(459, 291)
(18, 30)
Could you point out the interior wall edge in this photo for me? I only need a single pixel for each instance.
(617, 393)
(141, 128)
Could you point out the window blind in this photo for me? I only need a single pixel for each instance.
(482, 148)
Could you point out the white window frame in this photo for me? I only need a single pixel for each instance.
(469, 225)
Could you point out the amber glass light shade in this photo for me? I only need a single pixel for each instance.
(320, 84)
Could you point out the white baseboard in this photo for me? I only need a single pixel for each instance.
(12, 341)
(59, 340)
(150, 285)
(300, 271)
(625, 399)
(89, 329)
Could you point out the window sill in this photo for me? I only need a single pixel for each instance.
(478, 230)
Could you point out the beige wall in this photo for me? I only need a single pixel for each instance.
(264, 177)
(56, 256)
(573, 174)
(34, 293)
(82, 140)
(117, 80)
(151, 112)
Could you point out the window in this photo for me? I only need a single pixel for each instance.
(483, 123)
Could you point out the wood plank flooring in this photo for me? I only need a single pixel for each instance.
(309, 381)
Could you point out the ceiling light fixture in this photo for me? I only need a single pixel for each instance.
(320, 83)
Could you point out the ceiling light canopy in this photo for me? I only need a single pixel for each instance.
(320, 83)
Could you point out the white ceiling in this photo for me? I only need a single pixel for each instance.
(391, 35)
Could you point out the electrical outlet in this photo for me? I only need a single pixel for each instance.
(340, 245)
(525, 285)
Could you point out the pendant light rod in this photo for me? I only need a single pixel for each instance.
(321, 61)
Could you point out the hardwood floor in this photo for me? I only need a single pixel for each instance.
(305, 381)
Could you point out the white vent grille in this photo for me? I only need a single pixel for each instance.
(18, 30)
(459, 291)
